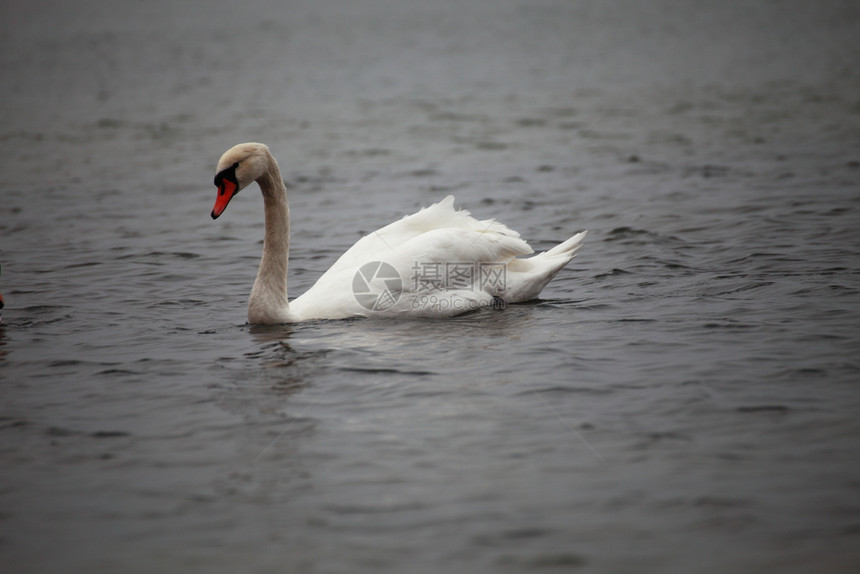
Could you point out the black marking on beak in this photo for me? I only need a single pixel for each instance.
(229, 174)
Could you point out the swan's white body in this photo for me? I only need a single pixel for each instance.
(435, 263)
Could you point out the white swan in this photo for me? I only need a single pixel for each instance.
(438, 262)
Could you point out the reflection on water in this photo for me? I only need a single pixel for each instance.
(3, 351)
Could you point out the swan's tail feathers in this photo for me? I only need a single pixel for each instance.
(566, 249)
(528, 276)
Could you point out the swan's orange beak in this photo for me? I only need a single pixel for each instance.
(226, 190)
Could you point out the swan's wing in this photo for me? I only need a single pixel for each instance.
(423, 267)
(452, 245)
(418, 247)
(383, 242)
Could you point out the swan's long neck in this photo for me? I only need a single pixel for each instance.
(268, 302)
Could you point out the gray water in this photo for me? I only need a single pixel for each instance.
(683, 398)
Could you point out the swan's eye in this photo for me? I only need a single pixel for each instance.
(229, 174)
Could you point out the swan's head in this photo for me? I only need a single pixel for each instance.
(240, 166)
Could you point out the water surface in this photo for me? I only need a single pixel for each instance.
(682, 398)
